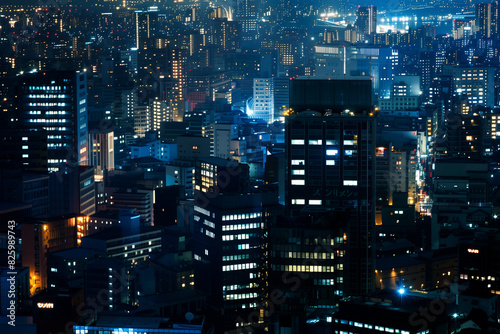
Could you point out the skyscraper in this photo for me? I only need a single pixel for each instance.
(487, 20)
(366, 21)
(263, 99)
(178, 62)
(101, 151)
(247, 14)
(56, 101)
(230, 237)
(477, 83)
(330, 145)
(145, 27)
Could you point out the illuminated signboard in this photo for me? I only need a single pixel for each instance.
(473, 251)
(45, 305)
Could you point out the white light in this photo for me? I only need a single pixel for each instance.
(332, 152)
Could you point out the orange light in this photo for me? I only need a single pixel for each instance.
(45, 305)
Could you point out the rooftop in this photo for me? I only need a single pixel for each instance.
(119, 232)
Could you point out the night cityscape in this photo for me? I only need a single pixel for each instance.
(249, 166)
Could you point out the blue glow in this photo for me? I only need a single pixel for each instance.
(332, 152)
(401, 291)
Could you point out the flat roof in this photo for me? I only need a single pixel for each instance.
(120, 232)
(76, 253)
(143, 322)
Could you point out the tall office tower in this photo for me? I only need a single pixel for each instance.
(225, 135)
(247, 14)
(477, 83)
(263, 99)
(281, 96)
(330, 147)
(146, 22)
(230, 238)
(308, 249)
(426, 68)
(142, 118)
(226, 34)
(159, 113)
(178, 60)
(366, 22)
(441, 92)
(463, 29)
(101, 152)
(56, 101)
(487, 20)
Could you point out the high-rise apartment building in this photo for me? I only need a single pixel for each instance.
(263, 99)
(145, 26)
(101, 151)
(56, 101)
(230, 238)
(366, 21)
(330, 147)
(487, 20)
(281, 96)
(477, 83)
(178, 60)
(247, 14)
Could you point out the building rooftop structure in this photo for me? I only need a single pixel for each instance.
(132, 324)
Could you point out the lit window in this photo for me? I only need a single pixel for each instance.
(315, 202)
(298, 182)
(332, 152)
(298, 201)
(350, 183)
(297, 141)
